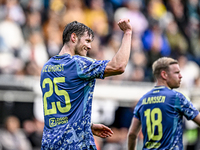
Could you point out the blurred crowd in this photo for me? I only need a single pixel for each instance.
(15, 135)
(31, 33)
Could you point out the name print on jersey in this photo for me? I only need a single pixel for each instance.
(153, 99)
(53, 68)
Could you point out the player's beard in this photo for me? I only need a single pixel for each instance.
(78, 49)
(174, 85)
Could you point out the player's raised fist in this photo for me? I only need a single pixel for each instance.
(125, 25)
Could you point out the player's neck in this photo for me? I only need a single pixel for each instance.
(161, 83)
(66, 50)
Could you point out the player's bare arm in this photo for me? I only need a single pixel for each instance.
(133, 133)
(118, 63)
(197, 119)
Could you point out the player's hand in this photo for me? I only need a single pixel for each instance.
(101, 130)
(124, 25)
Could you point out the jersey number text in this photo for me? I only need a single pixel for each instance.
(53, 87)
(152, 122)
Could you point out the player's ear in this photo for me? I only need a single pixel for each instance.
(163, 74)
(73, 37)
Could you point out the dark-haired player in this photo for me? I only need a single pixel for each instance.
(67, 83)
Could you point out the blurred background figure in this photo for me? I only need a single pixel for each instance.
(186, 66)
(34, 52)
(177, 41)
(96, 18)
(155, 44)
(73, 10)
(12, 136)
(34, 129)
(15, 12)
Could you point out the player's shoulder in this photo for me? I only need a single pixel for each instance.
(177, 92)
(181, 95)
(83, 58)
(169, 91)
(158, 91)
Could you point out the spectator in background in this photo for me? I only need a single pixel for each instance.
(137, 74)
(2, 10)
(155, 10)
(33, 23)
(53, 41)
(10, 46)
(116, 3)
(34, 51)
(177, 41)
(7, 28)
(96, 18)
(15, 12)
(34, 129)
(177, 8)
(74, 10)
(196, 48)
(155, 44)
(12, 137)
(138, 60)
(193, 9)
(52, 33)
(190, 71)
(194, 30)
(132, 10)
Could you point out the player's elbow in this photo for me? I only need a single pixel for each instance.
(114, 69)
(117, 70)
(119, 66)
(120, 69)
(132, 136)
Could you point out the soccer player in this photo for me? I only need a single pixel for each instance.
(67, 83)
(160, 111)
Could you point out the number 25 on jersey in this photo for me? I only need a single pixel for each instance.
(53, 87)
